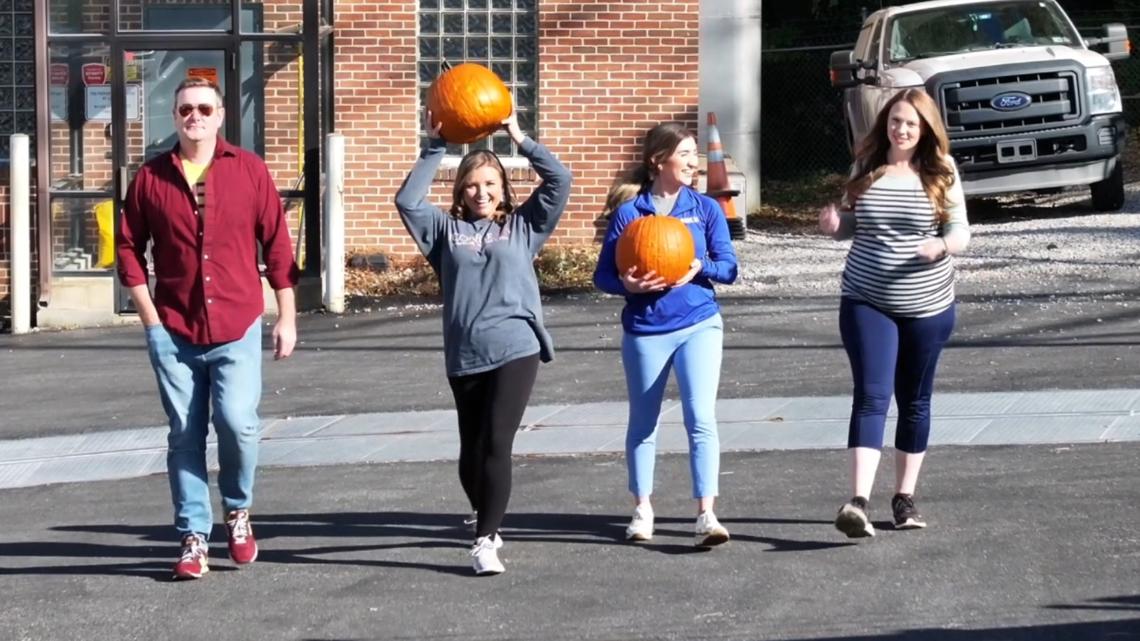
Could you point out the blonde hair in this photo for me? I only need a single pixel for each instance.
(931, 155)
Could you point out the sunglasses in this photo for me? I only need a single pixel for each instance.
(205, 109)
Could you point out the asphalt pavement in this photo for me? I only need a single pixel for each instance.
(1031, 490)
(1035, 542)
(389, 358)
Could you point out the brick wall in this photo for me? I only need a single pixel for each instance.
(608, 71)
(6, 249)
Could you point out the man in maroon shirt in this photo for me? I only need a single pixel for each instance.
(206, 206)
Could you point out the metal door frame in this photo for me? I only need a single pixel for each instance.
(231, 128)
(313, 36)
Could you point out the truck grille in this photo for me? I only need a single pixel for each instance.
(1053, 94)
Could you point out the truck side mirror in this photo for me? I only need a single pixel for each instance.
(842, 68)
(1116, 37)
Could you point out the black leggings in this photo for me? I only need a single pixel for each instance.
(490, 406)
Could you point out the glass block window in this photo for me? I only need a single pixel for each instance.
(501, 35)
(17, 73)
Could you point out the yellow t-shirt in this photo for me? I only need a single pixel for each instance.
(194, 171)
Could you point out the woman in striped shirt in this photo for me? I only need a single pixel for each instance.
(905, 209)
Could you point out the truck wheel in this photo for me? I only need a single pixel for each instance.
(1108, 194)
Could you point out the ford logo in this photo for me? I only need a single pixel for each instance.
(1011, 101)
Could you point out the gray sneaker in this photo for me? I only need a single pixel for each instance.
(852, 519)
(905, 513)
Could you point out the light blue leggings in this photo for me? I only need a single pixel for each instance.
(695, 354)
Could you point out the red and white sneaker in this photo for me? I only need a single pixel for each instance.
(194, 561)
(243, 547)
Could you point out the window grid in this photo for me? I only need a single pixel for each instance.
(17, 73)
(499, 34)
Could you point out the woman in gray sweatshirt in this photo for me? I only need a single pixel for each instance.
(482, 249)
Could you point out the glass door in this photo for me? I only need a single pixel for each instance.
(146, 126)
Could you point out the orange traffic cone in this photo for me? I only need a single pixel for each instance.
(717, 186)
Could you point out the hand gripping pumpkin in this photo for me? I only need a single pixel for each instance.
(662, 244)
(469, 101)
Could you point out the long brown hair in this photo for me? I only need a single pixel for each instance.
(472, 161)
(931, 154)
(660, 142)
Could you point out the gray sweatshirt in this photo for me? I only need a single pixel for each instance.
(491, 307)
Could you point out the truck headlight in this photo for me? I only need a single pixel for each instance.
(1104, 96)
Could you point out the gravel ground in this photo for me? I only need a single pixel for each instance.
(1049, 245)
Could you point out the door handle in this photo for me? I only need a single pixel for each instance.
(122, 184)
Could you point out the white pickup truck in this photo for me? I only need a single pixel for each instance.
(1027, 104)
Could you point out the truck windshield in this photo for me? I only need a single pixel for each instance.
(972, 27)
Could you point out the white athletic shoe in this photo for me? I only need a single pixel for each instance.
(640, 527)
(709, 531)
(485, 555)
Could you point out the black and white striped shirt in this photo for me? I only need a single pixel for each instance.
(892, 218)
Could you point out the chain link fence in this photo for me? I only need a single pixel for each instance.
(802, 133)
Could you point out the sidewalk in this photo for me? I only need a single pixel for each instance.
(756, 424)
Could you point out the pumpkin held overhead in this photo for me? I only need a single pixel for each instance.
(469, 101)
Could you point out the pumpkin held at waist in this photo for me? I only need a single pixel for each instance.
(660, 244)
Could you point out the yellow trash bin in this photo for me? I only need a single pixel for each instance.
(105, 220)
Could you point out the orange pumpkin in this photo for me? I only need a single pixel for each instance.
(662, 244)
(469, 101)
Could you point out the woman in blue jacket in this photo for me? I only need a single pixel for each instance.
(670, 324)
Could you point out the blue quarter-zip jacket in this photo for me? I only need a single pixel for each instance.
(676, 307)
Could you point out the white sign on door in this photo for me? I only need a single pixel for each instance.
(98, 102)
(58, 103)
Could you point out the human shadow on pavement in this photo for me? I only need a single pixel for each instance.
(1122, 630)
(1125, 603)
(542, 527)
(268, 527)
(683, 528)
(149, 562)
(401, 530)
(1119, 630)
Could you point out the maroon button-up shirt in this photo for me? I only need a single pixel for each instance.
(207, 283)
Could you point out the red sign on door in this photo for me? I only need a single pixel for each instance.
(207, 73)
(59, 74)
(94, 73)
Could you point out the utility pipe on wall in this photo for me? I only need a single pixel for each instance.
(334, 223)
(19, 175)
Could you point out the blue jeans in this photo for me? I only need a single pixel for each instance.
(191, 379)
(695, 354)
(891, 354)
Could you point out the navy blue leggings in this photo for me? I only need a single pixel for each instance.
(891, 353)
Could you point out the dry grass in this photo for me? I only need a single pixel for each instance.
(560, 268)
(412, 279)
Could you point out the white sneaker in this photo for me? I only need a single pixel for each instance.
(640, 527)
(486, 555)
(709, 531)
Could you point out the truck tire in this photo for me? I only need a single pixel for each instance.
(1108, 194)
